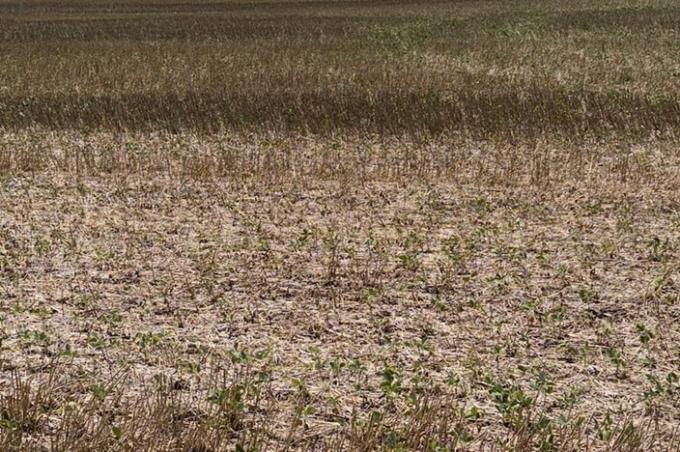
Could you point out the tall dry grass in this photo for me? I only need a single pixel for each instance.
(483, 69)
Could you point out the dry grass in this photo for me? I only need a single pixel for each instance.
(309, 225)
(505, 69)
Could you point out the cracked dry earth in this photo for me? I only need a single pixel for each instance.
(360, 295)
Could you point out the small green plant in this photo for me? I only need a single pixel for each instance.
(453, 250)
(659, 250)
(372, 295)
(190, 367)
(616, 357)
(391, 382)
(336, 366)
(667, 387)
(318, 362)
(644, 334)
(34, 338)
(99, 391)
(474, 413)
(241, 356)
(605, 428)
(410, 258)
(150, 339)
(97, 342)
(68, 351)
(304, 414)
(588, 295)
(510, 401)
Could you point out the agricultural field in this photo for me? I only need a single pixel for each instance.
(406, 225)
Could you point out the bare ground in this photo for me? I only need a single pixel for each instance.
(512, 301)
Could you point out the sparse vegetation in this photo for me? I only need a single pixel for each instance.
(339, 225)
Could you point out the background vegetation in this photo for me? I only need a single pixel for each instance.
(483, 69)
